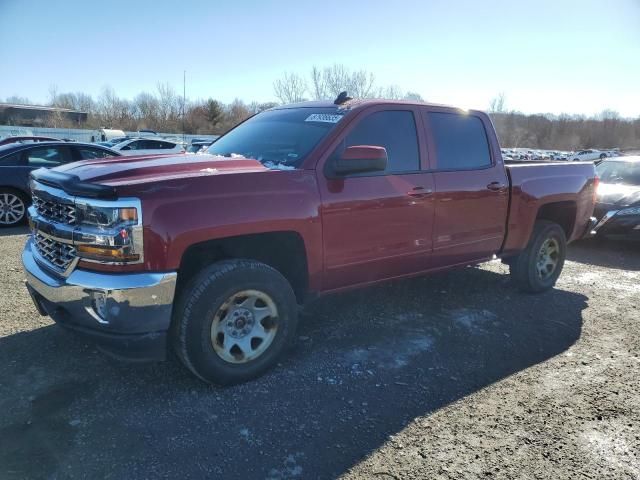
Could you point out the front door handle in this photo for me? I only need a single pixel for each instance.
(496, 186)
(419, 192)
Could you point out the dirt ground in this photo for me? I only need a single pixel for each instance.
(452, 376)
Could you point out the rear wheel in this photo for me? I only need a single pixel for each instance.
(538, 267)
(13, 207)
(233, 320)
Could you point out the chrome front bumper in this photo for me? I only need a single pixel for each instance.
(104, 305)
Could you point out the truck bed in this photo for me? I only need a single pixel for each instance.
(566, 188)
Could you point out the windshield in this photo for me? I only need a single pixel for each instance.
(278, 137)
(624, 173)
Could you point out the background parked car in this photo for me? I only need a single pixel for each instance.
(114, 141)
(22, 139)
(588, 155)
(146, 146)
(556, 155)
(17, 160)
(618, 203)
(196, 147)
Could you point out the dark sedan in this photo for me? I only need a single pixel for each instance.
(17, 160)
(618, 205)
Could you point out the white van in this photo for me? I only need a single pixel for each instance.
(106, 134)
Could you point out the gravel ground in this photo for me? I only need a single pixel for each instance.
(452, 376)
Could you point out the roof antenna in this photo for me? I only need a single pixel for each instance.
(343, 97)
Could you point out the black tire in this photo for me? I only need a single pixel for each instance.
(8, 218)
(524, 268)
(199, 303)
(603, 156)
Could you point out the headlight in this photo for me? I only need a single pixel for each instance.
(109, 232)
(630, 211)
(101, 216)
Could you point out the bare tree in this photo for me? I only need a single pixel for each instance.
(414, 97)
(53, 94)
(256, 107)
(392, 92)
(84, 102)
(168, 105)
(319, 84)
(330, 81)
(146, 111)
(362, 84)
(17, 100)
(291, 88)
(498, 103)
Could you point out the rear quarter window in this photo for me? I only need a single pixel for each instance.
(460, 141)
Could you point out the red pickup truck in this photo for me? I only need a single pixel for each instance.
(212, 255)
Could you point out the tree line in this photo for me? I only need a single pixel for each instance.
(164, 110)
(563, 132)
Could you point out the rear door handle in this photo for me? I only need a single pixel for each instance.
(419, 192)
(496, 186)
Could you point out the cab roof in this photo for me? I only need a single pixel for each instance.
(358, 103)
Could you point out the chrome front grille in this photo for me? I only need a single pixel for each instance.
(59, 254)
(58, 212)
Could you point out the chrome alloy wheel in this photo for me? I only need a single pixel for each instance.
(548, 258)
(12, 209)
(244, 326)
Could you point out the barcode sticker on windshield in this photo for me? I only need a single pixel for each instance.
(323, 117)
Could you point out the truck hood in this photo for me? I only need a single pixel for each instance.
(146, 169)
(618, 195)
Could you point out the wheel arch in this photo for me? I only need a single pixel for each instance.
(284, 251)
(563, 213)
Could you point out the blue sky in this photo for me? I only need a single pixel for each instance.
(576, 56)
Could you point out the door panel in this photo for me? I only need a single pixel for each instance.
(378, 225)
(373, 228)
(472, 188)
(469, 217)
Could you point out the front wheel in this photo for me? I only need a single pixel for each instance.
(233, 320)
(539, 265)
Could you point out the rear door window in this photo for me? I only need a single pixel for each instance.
(135, 145)
(460, 141)
(153, 145)
(47, 157)
(88, 153)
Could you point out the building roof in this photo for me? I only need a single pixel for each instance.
(44, 108)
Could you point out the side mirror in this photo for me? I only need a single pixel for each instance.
(361, 159)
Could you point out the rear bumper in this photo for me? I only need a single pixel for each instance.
(127, 315)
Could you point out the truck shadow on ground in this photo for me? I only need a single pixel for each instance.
(364, 366)
(8, 232)
(623, 255)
